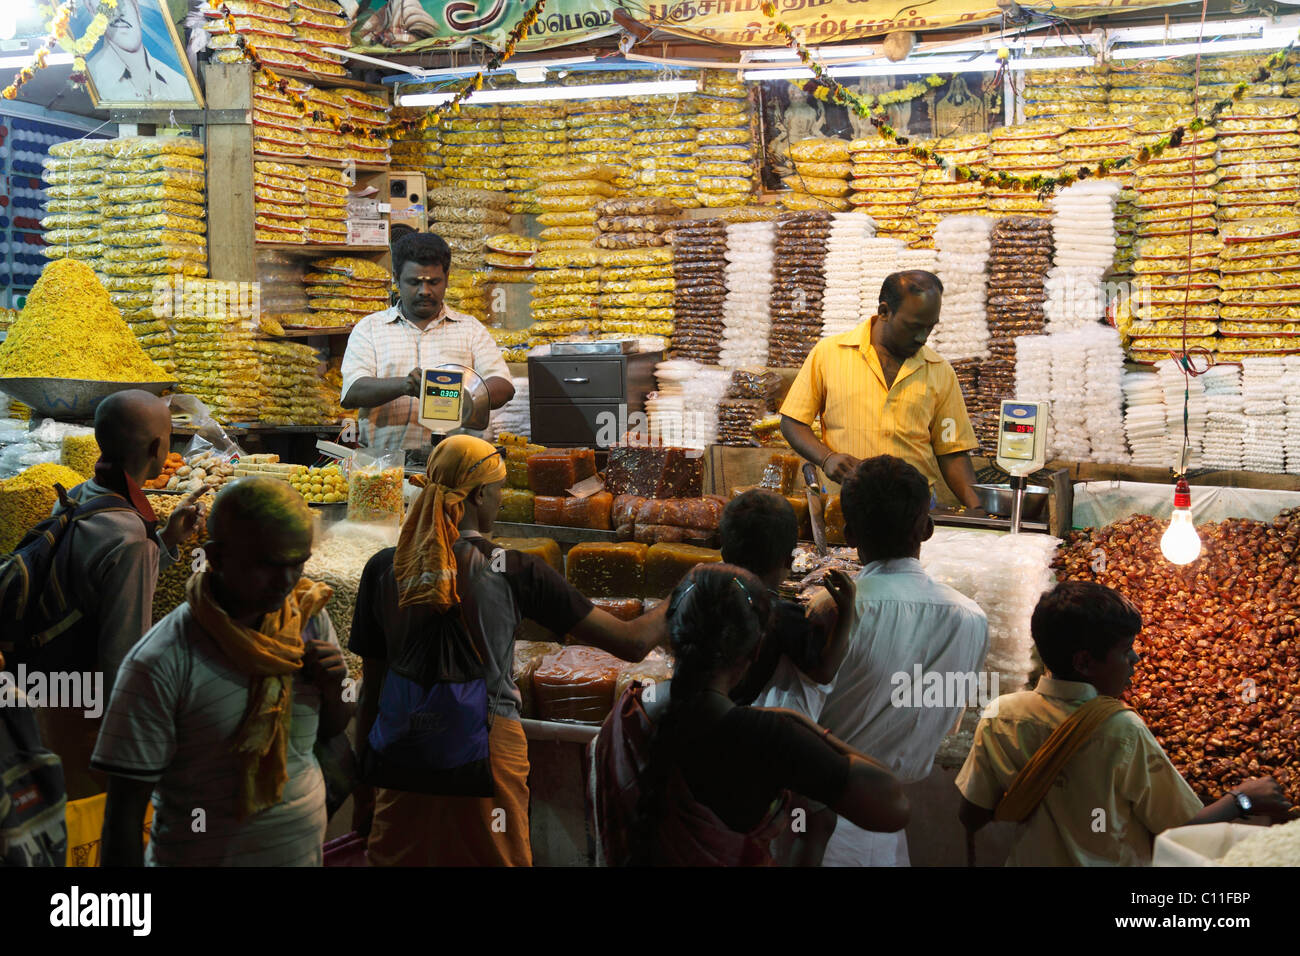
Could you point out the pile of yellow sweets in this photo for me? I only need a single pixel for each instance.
(320, 485)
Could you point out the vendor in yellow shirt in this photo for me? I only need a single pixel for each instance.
(880, 391)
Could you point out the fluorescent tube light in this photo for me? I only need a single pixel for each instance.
(1187, 31)
(1051, 63)
(655, 88)
(54, 59)
(1166, 50)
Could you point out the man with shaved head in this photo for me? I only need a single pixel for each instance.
(115, 559)
(879, 390)
(218, 708)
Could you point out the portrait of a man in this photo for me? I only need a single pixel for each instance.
(138, 61)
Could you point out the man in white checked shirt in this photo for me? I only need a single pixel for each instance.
(388, 350)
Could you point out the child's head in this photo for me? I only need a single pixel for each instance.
(759, 533)
(886, 504)
(1084, 632)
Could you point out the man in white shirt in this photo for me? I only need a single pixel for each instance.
(388, 350)
(905, 620)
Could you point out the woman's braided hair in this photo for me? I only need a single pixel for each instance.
(716, 617)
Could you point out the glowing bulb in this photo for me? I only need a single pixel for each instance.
(1180, 543)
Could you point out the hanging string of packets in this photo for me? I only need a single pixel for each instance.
(398, 128)
(59, 35)
(825, 87)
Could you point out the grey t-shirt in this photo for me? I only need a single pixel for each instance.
(173, 714)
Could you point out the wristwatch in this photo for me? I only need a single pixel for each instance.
(1244, 804)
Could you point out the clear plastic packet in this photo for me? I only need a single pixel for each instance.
(375, 487)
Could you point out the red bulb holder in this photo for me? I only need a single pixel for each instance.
(1182, 494)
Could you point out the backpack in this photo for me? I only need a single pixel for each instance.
(431, 732)
(32, 795)
(47, 629)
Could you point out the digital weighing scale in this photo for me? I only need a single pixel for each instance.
(1022, 447)
(453, 397)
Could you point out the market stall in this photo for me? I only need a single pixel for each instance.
(656, 243)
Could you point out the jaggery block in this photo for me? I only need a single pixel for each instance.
(623, 608)
(576, 684)
(592, 512)
(608, 570)
(667, 564)
(545, 548)
(553, 472)
(657, 667)
(654, 472)
(528, 657)
(516, 505)
(834, 520)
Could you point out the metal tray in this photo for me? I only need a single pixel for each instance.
(604, 347)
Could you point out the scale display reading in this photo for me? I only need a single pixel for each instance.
(442, 397)
(1019, 428)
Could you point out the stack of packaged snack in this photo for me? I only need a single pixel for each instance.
(279, 195)
(1087, 141)
(467, 291)
(420, 150)
(292, 385)
(699, 273)
(724, 135)
(1065, 96)
(945, 194)
(473, 152)
(886, 183)
(1033, 149)
(282, 297)
(1260, 311)
(287, 35)
(799, 287)
(599, 133)
(637, 288)
(465, 217)
(636, 222)
(663, 150)
(821, 178)
(74, 205)
(574, 189)
(154, 228)
(1258, 159)
(512, 342)
(1175, 203)
(535, 135)
(286, 124)
(564, 300)
(342, 290)
(216, 351)
(1138, 86)
(1172, 276)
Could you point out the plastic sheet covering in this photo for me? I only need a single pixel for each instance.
(1098, 503)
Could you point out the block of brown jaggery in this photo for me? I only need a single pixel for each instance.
(555, 471)
(598, 569)
(576, 684)
(656, 668)
(528, 657)
(623, 515)
(780, 474)
(545, 548)
(667, 564)
(592, 512)
(517, 464)
(655, 472)
(623, 608)
(516, 505)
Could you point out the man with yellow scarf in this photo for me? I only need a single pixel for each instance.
(217, 709)
(444, 559)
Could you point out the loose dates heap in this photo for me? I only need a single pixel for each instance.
(1218, 681)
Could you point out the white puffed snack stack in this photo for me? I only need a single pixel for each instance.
(842, 298)
(1263, 387)
(746, 311)
(1033, 368)
(1177, 386)
(684, 411)
(1292, 442)
(1145, 425)
(1225, 420)
(879, 257)
(1068, 438)
(1083, 233)
(1103, 394)
(961, 559)
(962, 249)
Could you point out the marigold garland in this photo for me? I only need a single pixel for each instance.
(836, 92)
(398, 128)
(59, 28)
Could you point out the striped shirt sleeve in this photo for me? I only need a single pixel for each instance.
(950, 430)
(360, 359)
(807, 395)
(488, 360)
(138, 735)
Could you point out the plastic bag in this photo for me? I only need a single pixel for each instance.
(375, 487)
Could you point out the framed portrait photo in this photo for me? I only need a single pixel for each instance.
(139, 61)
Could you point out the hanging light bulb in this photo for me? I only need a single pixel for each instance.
(1180, 543)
